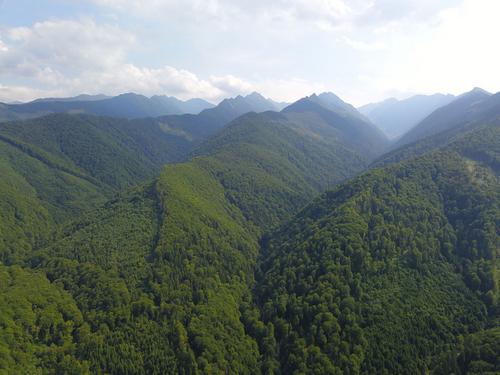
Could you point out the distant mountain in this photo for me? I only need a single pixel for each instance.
(395, 117)
(352, 128)
(471, 106)
(485, 112)
(78, 98)
(192, 106)
(195, 105)
(208, 121)
(333, 103)
(253, 102)
(128, 105)
(279, 105)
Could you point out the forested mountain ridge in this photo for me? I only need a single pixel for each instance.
(209, 121)
(175, 257)
(71, 163)
(353, 129)
(395, 117)
(120, 153)
(38, 322)
(56, 167)
(406, 256)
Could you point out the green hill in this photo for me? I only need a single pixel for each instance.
(382, 274)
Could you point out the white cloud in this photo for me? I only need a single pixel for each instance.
(363, 46)
(325, 14)
(61, 57)
(455, 55)
(24, 94)
(3, 47)
(288, 90)
(284, 49)
(52, 50)
(231, 85)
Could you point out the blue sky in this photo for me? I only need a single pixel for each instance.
(363, 50)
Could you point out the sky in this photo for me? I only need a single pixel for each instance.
(362, 50)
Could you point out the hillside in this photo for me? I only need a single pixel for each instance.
(353, 129)
(56, 167)
(405, 256)
(395, 117)
(209, 121)
(467, 107)
(119, 153)
(486, 111)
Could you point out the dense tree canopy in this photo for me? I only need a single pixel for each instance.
(221, 264)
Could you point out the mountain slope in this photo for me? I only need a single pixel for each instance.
(209, 121)
(61, 165)
(406, 256)
(119, 153)
(56, 167)
(175, 257)
(467, 119)
(352, 129)
(395, 117)
(465, 108)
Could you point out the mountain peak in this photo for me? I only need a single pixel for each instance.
(254, 94)
(476, 91)
(329, 95)
(330, 102)
(479, 89)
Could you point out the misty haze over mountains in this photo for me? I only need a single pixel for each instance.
(394, 117)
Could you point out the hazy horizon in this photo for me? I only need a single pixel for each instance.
(363, 52)
(215, 103)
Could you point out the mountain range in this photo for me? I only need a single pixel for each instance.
(131, 106)
(123, 106)
(252, 237)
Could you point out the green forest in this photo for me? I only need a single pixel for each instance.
(283, 243)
